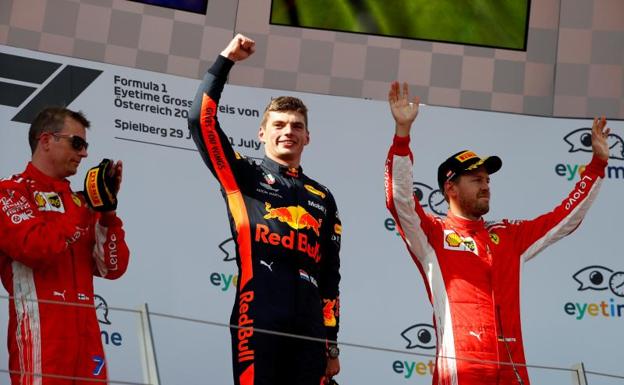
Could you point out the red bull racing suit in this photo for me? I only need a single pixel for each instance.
(287, 233)
(472, 272)
(51, 246)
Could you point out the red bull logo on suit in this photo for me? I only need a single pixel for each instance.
(297, 218)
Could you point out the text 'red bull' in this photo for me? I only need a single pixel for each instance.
(245, 327)
(264, 235)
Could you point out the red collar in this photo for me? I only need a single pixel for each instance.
(55, 184)
(463, 223)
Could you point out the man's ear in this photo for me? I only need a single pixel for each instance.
(261, 134)
(449, 189)
(44, 141)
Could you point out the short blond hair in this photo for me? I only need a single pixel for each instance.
(285, 104)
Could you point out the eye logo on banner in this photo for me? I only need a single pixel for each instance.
(600, 278)
(101, 310)
(419, 336)
(64, 84)
(580, 140)
(422, 336)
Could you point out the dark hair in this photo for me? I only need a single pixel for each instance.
(52, 119)
(285, 104)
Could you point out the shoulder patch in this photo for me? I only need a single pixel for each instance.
(314, 191)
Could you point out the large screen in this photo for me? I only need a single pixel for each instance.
(489, 23)
(197, 6)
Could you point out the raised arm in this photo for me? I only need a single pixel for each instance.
(534, 235)
(413, 223)
(214, 146)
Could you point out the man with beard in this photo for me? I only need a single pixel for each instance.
(54, 241)
(471, 268)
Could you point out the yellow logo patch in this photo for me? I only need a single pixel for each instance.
(314, 191)
(464, 156)
(76, 200)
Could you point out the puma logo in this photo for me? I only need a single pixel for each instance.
(476, 335)
(269, 266)
(59, 294)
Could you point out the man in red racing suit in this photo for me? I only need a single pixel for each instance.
(471, 268)
(287, 233)
(51, 246)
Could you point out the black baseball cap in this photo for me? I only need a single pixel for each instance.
(463, 161)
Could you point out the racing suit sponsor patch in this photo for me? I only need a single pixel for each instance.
(17, 210)
(329, 315)
(314, 191)
(454, 241)
(49, 201)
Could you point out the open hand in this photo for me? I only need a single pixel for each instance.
(403, 110)
(600, 147)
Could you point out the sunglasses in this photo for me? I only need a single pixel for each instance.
(77, 142)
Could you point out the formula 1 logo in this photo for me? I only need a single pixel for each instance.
(35, 84)
(580, 140)
(600, 278)
(419, 336)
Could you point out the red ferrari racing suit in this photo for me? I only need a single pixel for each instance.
(472, 272)
(287, 233)
(52, 246)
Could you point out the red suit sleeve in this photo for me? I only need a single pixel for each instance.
(110, 250)
(536, 234)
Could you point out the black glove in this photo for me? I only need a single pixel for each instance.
(99, 187)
